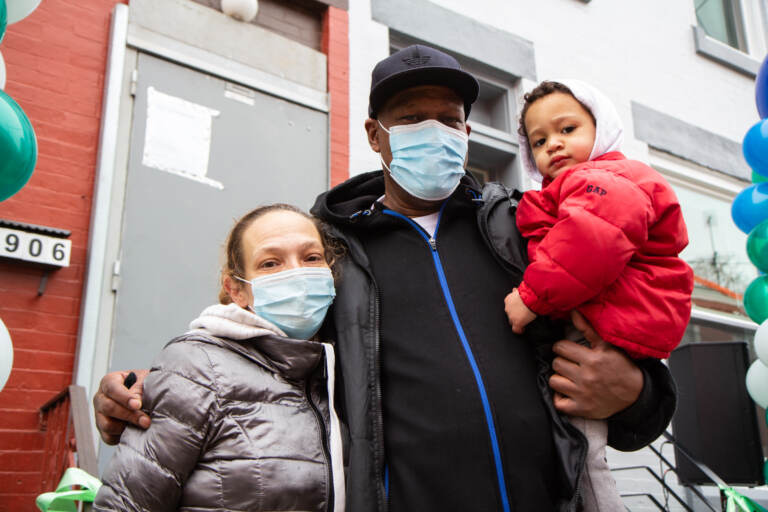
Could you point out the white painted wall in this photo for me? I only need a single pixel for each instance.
(633, 51)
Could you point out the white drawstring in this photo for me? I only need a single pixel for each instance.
(335, 444)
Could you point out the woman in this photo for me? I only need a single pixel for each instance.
(242, 405)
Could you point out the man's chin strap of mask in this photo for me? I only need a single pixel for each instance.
(427, 158)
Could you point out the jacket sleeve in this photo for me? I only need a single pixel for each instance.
(602, 219)
(150, 467)
(645, 420)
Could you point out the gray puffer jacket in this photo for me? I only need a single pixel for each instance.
(240, 421)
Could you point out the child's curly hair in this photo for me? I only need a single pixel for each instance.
(545, 88)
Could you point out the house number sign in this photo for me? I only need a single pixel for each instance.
(34, 247)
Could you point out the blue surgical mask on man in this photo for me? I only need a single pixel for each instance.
(294, 300)
(427, 158)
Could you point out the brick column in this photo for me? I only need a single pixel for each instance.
(336, 47)
(55, 61)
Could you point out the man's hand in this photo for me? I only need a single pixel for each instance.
(115, 405)
(517, 312)
(593, 383)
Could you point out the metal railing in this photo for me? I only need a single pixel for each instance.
(65, 419)
(666, 467)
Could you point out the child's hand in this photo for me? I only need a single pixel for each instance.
(517, 312)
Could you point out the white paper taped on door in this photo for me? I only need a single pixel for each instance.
(177, 138)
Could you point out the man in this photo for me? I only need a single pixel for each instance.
(448, 409)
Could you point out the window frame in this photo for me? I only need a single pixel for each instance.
(751, 20)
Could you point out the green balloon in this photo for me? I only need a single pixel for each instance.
(18, 147)
(3, 18)
(757, 246)
(756, 178)
(756, 299)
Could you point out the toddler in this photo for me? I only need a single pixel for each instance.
(604, 234)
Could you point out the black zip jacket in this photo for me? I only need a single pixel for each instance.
(427, 357)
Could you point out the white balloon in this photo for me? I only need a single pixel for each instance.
(20, 9)
(6, 355)
(243, 10)
(757, 383)
(761, 342)
(2, 72)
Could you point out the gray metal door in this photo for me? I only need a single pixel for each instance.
(178, 210)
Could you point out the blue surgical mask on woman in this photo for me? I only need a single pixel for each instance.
(294, 300)
(427, 158)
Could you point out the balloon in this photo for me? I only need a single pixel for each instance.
(761, 89)
(6, 355)
(761, 342)
(758, 178)
(757, 247)
(750, 207)
(755, 147)
(20, 9)
(757, 383)
(243, 10)
(756, 299)
(18, 147)
(3, 18)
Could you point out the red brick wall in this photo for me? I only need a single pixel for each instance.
(336, 47)
(55, 62)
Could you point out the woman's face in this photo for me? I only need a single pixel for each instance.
(276, 241)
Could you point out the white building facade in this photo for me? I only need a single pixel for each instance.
(682, 76)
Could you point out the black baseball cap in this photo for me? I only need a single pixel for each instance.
(419, 65)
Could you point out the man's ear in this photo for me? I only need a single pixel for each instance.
(469, 128)
(372, 130)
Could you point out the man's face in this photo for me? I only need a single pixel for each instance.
(412, 106)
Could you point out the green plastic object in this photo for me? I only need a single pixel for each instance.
(18, 147)
(64, 497)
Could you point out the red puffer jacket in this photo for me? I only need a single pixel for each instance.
(603, 239)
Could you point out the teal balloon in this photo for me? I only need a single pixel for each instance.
(757, 246)
(3, 18)
(18, 147)
(758, 178)
(755, 147)
(756, 299)
(750, 207)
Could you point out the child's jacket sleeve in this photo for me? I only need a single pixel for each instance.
(150, 467)
(584, 227)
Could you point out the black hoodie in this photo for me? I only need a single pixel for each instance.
(447, 408)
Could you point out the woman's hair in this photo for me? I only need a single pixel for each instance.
(545, 89)
(234, 262)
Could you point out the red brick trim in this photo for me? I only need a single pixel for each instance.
(335, 45)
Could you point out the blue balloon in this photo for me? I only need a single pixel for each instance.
(761, 89)
(755, 147)
(750, 207)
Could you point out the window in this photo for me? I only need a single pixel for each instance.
(731, 32)
(721, 19)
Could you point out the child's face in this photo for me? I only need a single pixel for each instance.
(561, 133)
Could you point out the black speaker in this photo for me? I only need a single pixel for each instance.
(716, 420)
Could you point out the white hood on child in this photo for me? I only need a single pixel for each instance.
(609, 133)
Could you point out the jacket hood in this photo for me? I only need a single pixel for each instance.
(343, 204)
(257, 339)
(609, 130)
